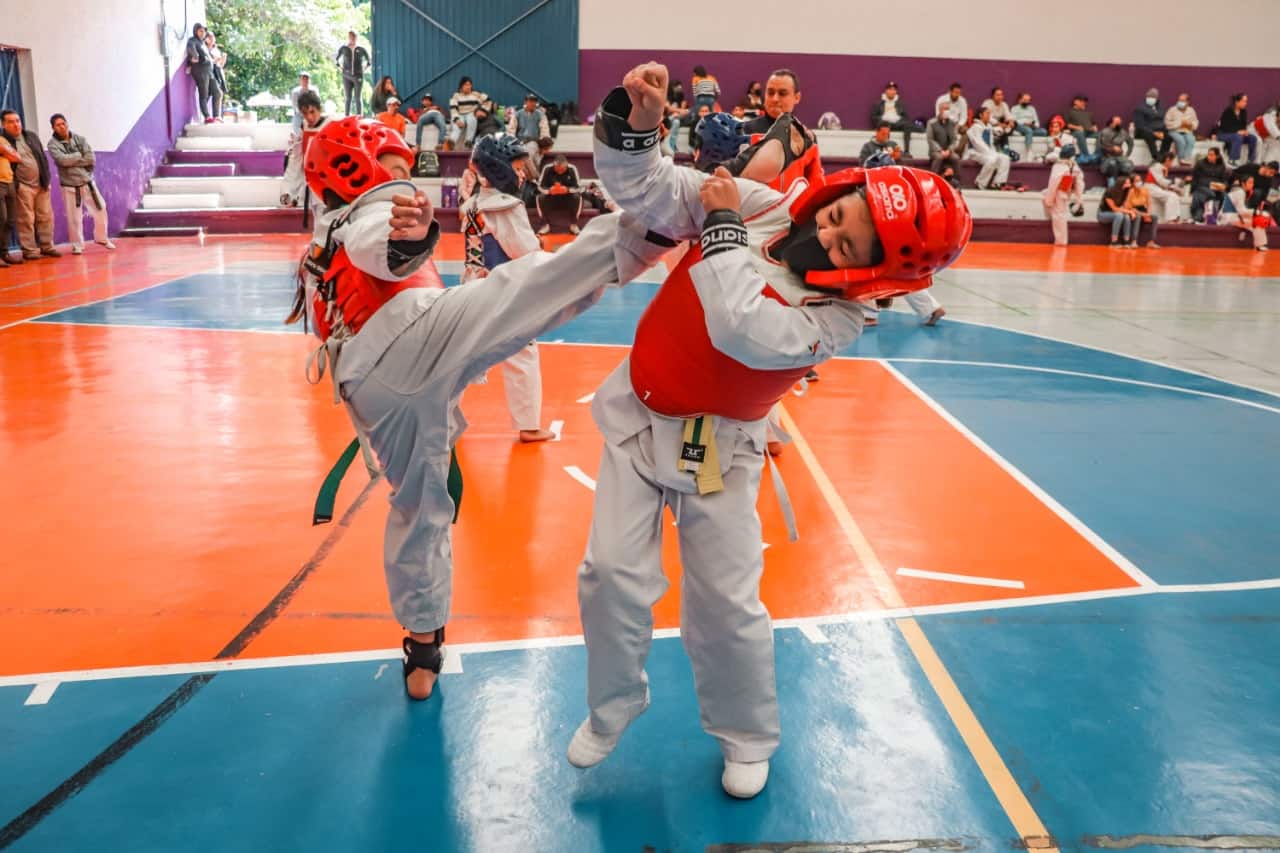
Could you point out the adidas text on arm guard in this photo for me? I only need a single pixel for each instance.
(723, 230)
(613, 130)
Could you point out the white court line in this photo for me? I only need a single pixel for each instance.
(1123, 355)
(581, 476)
(1140, 577)
(588, 398)
(1101, 377)
(969, 579)
(557, 427)
(85, 304)
(535, 643)
(151, 326)
(42, 693)
(813, 634)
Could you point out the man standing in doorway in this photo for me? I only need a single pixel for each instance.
(74, 158)
(31, 174)
(352, 59)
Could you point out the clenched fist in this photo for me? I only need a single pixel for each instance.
(411, 216)
(720, 192)
(647, 86)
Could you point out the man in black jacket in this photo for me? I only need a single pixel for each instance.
(1148, 125)
(31, 175)
(891, 110)
(352, 59)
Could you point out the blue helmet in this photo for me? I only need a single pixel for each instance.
(1066, 152)
(493, 156)
(880, 158)
(722, 138)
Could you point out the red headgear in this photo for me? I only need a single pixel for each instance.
(1061, 122)
(343, 157)
(923, 225)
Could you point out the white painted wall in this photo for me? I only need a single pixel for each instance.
(1185, 32)
(96, 61)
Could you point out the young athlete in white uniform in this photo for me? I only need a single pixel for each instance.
(496, 229)
(770, 291)
(403, 349)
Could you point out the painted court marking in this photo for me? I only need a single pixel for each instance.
(1139, 577)
(42, 693)
(581, 476)
(557, 427)
(974, 580)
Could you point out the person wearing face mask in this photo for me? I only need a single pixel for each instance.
(754, 101)
(770, 287)
(1181, 122)
(1148, 125)
(1027, 122)
(1164, 192)
(1115, 145)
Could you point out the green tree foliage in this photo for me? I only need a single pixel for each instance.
(269, 42)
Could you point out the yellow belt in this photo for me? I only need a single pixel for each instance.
(699, 456)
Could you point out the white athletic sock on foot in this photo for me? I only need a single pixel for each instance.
(744, 780)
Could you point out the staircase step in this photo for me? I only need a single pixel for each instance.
(181, 201)
(226, 220)
(263, 163)
(161, 231)
(263, 135)
(215, 143)
(239, 191)
(196, 170)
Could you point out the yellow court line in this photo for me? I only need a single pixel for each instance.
(1009, 794)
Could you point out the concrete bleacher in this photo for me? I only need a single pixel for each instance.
(227, 179)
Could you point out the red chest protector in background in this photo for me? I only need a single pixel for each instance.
(345, 297)
(675, 369)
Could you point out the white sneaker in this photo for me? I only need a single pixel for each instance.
(744, 781)
(574, 229)
(77, 250)
(545, 229)
(589, 748)
(107, 243)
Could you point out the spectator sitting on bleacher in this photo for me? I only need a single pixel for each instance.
(943, 135)
(880, 143)
(1163, 189)
(754, 101)
(559, 185)
(1181, 122)
(385, 89)
(431, 114)
(462, 107)
(1082, 126)
(1148, 125)
(391, 117)
(706, 89)
(954, 99)
(1115, 145)
(1208, 183)
(1114, 211)
(890, 110)
(995, 165)
(1027, 122)
(529, 124)
(1059, 136)
(677, 113)
(1240, 212)
(486, 122)
(1001, 113)
(1139, 200)
(1233, 129)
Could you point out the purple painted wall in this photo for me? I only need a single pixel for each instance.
(850, 85)
(122, 175)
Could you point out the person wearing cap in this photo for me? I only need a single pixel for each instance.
(891, 110)
(1148, 125)
(529, 125)
(431, 114)
(304, 85)
(392, 118)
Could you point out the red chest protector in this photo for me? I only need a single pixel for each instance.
(807, 166)
(346, 296)
(675, 369)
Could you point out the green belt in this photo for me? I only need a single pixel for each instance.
(328, 495)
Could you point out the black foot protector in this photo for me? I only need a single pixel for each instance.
(423, 655)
